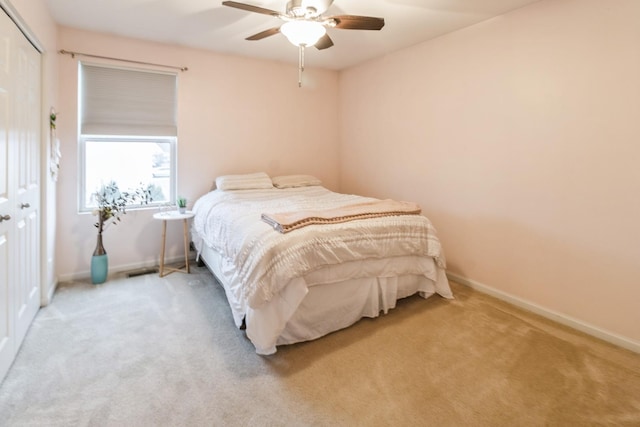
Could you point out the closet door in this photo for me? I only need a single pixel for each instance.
(7, 338)
(25, 145)
(20, 113)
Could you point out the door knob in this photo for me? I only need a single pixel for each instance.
(5, 218)
(24, 205)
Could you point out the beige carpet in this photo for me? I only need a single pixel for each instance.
(164, 352)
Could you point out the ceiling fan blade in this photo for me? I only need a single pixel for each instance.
(355, 22)
(324, 42)
(263, 34)
(250, 8)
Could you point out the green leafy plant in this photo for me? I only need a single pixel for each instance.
(52, 120)
(182, 202)
(112, 203)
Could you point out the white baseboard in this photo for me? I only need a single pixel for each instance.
(549, 314)
(52, 290)
(114, 270)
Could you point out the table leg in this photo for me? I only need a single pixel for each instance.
(186, 244)
(164, 237)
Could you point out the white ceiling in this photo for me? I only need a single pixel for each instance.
(206, 24)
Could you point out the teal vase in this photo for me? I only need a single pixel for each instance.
(99, 263)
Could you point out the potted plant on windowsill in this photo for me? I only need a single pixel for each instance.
(182, 204)
(111, 205)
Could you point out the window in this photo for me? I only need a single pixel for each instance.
(127, 131)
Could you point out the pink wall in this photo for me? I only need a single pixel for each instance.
(236, 115)
(519, 137)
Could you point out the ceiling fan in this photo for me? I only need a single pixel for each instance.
(305, 26)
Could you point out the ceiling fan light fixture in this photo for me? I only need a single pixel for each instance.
(303, 33)
(305, 26)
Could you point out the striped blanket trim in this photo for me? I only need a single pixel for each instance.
(289, 221)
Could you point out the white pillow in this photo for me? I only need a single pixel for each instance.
(248, 181)
(288, 181)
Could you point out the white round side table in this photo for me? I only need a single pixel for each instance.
(173, 216)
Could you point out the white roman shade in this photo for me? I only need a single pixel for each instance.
(116, 101)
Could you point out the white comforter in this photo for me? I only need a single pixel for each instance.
(265, 260)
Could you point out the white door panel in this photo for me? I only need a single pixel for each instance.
(7, 338)
(20, 142)
(28, 289)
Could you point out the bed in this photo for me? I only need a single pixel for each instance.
(292, 285)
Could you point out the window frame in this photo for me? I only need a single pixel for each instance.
(83, 203)
(124, 105)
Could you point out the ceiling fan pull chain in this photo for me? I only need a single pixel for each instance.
(300, 64)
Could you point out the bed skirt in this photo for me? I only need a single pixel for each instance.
(324, 301)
